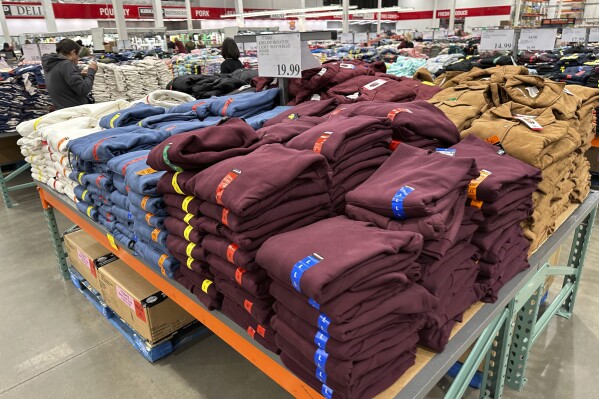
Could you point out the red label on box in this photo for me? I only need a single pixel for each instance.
(139, 311)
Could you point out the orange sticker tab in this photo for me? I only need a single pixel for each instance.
(476, 182)
(147, 171)
(231, 252)
(163, 258)
(476, 204)
(493, 140)
(239, 275)
(320, 142)
(393, 113)
(148, 217)
(60, 142)
(261, 330)
(225, 216)
(155, 233)
(248, 305)
(251, 331)
(232, 175)
(144, 201)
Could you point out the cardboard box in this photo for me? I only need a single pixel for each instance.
(87, 255)
(141, 305)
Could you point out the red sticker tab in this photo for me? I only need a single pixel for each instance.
(251, 331)
(92, 268)
(98, 180)
(97, 145)
(139, 311)
(231, 252)
(239, 275)
(124, 168)
(225, 217)
(394, 144)
(227, 103)
(320, 142)
(393, 113)
(261, 330)
(336, 112)
(248, 305)
(232, 175)
(195, 106)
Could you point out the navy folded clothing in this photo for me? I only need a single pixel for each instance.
(243, 105)
(258, 120)
(129, 116)
(162, 262)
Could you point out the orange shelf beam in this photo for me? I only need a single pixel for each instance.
(595, 142)
(258, 357)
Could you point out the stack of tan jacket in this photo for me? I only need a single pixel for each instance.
(548, 125)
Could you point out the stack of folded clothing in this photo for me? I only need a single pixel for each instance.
(183, 155)
(130, 116)
(355, 147)
(244, 201)
(423, 192)
(503, 192)
(347, 310)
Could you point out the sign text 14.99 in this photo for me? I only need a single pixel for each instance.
(288, 69)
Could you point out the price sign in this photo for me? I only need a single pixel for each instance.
(361, 37)
(497, 39)
(537, 39)
(574, 35)
(31, 52)
(427, 35)
(250, 46)
(372, 35)
(347, 38)
(594, 35)
(279, 55)
(47, 48)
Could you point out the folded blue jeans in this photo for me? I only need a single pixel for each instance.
(154, 205)
(162, 262)
(88, 210)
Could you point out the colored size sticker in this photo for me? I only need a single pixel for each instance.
(300, 268)
(186, 201)
(320, 358)
(398, 200)
(155, 234)
(205, 285)
(187, 232)
(261, 330)
(251, 331)
(323, 323)
(144, 202)
(161, 261)
(225, 217)
(189, 249)
(148, 217)
(321, 375)
(175, 184)
(321, 339)
(146, 171)
(232, 175)
(320, 142)
(473, 186)
(167, 161)
(187, 218)
(189, 262)
(446, 151)
(247, 305)
(314, 304)
(326, 392)
(239, 272)
(231, 249)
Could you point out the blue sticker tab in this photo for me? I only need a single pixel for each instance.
(321, 375)
(129, 216)
(446, 151)
(397, 201)
(300, 268)
(320, 358)
(323, 323)
(326, 392)
(314, 304)
(320, 339)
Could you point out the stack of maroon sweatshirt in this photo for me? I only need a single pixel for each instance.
(347, 309)
(503, 192)
(425, 192)
(245, 200)
(355, 147)
(182, 156)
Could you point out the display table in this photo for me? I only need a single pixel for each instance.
(490, 327)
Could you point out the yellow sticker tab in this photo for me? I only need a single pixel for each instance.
(114, 118)
(111, 241)
(187, 218)
(189, 248)
(89, 211)
(37, 122)
(205, 285)
(81, 174)
(189, 262)
(147, 171)
(186, 202)
(83, 194)
(187, 232)
(428, 83)
(176, 184)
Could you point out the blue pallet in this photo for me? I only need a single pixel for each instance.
(476, 381)
(150, 353)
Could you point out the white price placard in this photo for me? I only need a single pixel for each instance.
(537, 39)
(497, 39)
(347, 38)
(31, 52)
(574, 35)
(594, 35)
(361, 37)
(250, 46)
(47, 48)
(279, 55)
(427, 35)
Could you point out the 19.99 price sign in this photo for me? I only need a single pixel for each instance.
(279, 56)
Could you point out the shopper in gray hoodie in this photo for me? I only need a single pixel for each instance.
(67, 86)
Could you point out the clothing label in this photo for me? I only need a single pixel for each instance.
(111, 241)
(320, 141)
(239, 272)
(315, 97)
(261, 330)
(320, 358)
(314, 304)
(167, 161)
(189, 248)
(175, 184)
(155, 234)
(374, 84)
(247, 305)
(300, 268)
(323, 323)
(251, 331)
(144, 201)
(125, 297)
(187, 232)
(186, 202)
(353, 96)
(533, 91)
(321, 339)
(496, 142)
(322, 72)
(568, 92)
(232, 175)
(139, 311)
(231, 252)
(393, 113)
(205, 285)
(529, 121)
(347, 66)
(446, 151)
(473, 186)
(147, 171)
(225, 217)
(97, 145)
(189, 262)
(398, 200)
(113, 119)
(291, 116)
(321, 375)
(326, 392)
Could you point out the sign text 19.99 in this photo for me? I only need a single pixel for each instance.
(288, 70)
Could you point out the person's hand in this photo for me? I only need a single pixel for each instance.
(93, 65)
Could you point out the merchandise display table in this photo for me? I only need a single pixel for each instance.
(502, 333)
(10, 153)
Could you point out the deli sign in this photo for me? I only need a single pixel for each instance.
(23, 11)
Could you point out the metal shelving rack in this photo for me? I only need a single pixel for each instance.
(490, 327)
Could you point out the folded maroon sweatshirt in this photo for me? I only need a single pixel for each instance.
(255, 282)
(263, 334)
(308, 108)
(180, 245)
(174, 183)
(259, 308)
(311, 261)
(188, 203)
(284, 131)
(180, 214)
(200, 267)
(207, 300)
(492, 243)
(201, 148)
(412, 183)
(372, 88)
(500, 174)
(183, 230)
(411, 121)
(339, 138)
(249, 184)
(225, 249)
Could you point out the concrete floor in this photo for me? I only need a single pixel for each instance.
(54, 344)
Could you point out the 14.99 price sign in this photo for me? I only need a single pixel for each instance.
(279, 56)
(497, 39)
